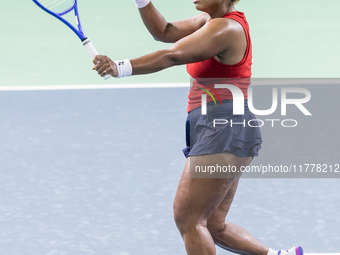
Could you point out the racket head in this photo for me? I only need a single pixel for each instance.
(58, 8)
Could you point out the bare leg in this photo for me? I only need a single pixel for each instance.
(231, 236)
(197, 200)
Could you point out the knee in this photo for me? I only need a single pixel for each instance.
(186, 221)
(180, 217)
(216, 226)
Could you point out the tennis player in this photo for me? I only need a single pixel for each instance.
(213, 44)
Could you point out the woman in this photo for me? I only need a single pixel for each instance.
(214, 44)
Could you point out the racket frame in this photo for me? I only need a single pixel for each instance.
(79, 32)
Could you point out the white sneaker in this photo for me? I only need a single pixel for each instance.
(297, 250)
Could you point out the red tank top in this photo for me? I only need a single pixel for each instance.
(213, 69)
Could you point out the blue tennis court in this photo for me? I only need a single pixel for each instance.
(95, 172)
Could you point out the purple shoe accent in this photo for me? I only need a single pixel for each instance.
(298, 250)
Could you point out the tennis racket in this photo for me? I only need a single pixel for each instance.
(58, 8)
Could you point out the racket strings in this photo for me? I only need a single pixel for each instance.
(57, 6)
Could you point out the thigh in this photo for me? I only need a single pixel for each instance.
(216, 221)
(198, 198)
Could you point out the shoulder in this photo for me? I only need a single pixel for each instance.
(224, 27)
(224, 31)
(224, 24)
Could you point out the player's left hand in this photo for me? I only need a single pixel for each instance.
(104, 65)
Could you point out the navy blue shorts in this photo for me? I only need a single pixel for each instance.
(237, 135)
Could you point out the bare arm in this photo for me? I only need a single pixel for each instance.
(165, 31)
(213, 38)
(207, 42)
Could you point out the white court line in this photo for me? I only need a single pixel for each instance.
(96, 86)
(321, 253)
(255, 82)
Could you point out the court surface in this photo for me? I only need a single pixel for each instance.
(95, 172)
(89, 166)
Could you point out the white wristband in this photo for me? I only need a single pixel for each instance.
(124, 68)
(141, 3)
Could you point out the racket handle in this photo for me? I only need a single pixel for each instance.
(91, 50)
